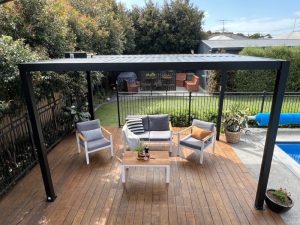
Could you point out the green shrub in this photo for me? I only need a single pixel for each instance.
(263, 80)
(260, 80)
(11, 54)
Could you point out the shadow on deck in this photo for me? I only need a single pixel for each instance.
(221, 191)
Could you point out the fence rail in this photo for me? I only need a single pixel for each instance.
(183, 107)
(17, 153)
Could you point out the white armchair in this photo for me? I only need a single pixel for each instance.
(186, 140)
(89, 136)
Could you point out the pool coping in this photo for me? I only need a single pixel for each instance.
(284, 158)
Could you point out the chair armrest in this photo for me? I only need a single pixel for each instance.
(106, 131)
(80, 136)
(209, 136)
(170, 127)
(184, 130)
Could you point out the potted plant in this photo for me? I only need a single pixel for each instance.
(279, 200)
(143, 151)
(234, 120)
(150, 76)
(166, 76)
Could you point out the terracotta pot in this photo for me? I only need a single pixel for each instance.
(232, 137)
(277, 206)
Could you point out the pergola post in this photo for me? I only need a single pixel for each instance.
(221, 100)
(37, 134)
(281, 78)
(90, 95)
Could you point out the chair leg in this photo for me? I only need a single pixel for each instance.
(180, 154)
(170, 150)
(178, 144)
(86, 154)
(201, 156)
(78, 143)
(111, 147)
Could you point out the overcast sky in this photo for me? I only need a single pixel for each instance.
(252, 16)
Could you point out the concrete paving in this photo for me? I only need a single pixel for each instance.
(285, 172)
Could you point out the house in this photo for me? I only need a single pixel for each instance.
(235, 46)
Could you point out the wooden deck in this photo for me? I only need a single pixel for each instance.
(221, 191)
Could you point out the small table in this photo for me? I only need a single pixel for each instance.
(158, 159)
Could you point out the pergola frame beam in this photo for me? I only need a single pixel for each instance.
(37, 134)
(281, 78)
(223, 82)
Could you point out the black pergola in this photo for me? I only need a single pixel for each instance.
(223, 62)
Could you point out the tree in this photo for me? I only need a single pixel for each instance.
(42, 24)
(173, 28)
(105, 27)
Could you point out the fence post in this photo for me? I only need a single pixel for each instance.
(118, 105)
(190, 103)
(30, 135)
(263, 102)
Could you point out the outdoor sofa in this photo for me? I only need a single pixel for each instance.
(154, 129)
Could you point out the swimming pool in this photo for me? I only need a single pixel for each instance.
(291, 148)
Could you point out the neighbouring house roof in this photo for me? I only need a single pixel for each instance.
(239, 44)
(291, 35)
(227, 36)
(220, 37)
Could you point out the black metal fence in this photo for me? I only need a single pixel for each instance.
(17, 153)
(158, 81)
(183, 107)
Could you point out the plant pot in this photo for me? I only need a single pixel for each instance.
(232, 137)
(275, 205)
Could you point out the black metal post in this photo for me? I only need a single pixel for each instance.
(263, 102)
(37, 134)
(90, 95)
(118, 106)
(223, 81)
(278, 96)
(190, 103)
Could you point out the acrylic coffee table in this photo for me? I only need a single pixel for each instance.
(158, 159)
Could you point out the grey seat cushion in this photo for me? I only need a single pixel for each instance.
(191, 142)
(159, 122)
(88, 125)
(160, 135)
(93, 145)
(204, 125)
(91, 135)
(144, 136)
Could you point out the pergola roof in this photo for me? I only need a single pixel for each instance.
(154, 62)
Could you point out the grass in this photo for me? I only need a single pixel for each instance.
(108, 114)
(204, 107)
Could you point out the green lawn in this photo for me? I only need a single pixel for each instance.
(108, 114)
(204, 107)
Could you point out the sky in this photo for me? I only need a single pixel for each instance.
(273, 17)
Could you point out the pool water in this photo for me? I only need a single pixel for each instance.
(291, 148)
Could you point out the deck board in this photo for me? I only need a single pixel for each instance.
(221, 191)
